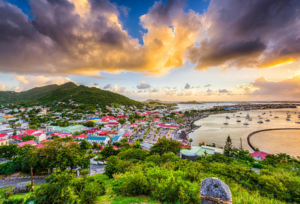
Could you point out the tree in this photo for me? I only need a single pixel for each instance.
(108, 151)
(34, 127)
(15, 131)
(228, 147)
(28, 137)
(191, 140)
(85, 145)
(90, 124)
(163, 145)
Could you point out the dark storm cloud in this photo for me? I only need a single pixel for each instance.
(107, 86)
(187, 86)
(223, 91)
(252, 33)
(164, 13)
(143, 85)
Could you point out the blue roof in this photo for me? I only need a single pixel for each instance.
(115, 137)
(95, 118)
(97, 138)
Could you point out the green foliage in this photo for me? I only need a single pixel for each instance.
(133, 154)
(8, 151)
(7, 168)
(129, 184)
(164, 145)
(111, 166)
(228, 147)
(85, 145)
(28, 137)
(108, 151)
(89, 124)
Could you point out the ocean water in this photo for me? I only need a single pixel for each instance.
(214, 131)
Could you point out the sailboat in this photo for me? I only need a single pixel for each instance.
(260, 121)
(226, 123)
(268, 120)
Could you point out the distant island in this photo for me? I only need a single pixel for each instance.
(190, 102)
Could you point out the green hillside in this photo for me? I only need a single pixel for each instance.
(55, 93)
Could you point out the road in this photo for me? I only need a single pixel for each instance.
(95, 169)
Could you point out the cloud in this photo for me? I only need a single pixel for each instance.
(2, 87)
(125, 10)
(116, 89)
(107, 86)
(207, 85)
(187, 86)
(28, 81)
(156, 90)
(286, 89)
(223, 91)
(85, 37)
(143, 85)
(250, 33)
(122, 89)
(94, 85)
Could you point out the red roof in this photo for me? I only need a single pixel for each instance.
(3, 134)
(82, 136)
(16, 137)
(28, 132)
(39, 146)
(103, 132)
(30, 142)
(3, 140)
(260, 154)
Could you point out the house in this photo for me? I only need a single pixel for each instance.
(30, 142)
(3, 142)
(196, 151)
(116, 139)
(3, 136)
(82, 137)
(98, 140)
(258, 155)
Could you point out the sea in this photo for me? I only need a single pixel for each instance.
(213, 130)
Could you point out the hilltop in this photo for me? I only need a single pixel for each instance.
(63, 93)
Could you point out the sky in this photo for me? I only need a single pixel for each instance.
(171, 50)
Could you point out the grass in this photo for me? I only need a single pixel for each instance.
(21, 195)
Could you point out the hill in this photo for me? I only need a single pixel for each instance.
(55, 93)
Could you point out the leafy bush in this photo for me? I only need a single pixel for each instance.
(7, 168)
(131, 184)
(14, 201)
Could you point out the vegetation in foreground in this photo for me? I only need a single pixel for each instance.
(133, 175)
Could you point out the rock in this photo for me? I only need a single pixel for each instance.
(20, 188)
(213, 191)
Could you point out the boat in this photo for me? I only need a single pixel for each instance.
(271, 115)
(267, 120)
(276, 117)
(241, 113)
(245, 123)
(238, 121)
(238, 116)
(227, 117)
(259, 116)
(226, 123)
(250, 119)
(288, 119)
(260, 121)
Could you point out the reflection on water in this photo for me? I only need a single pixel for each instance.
(213, 130)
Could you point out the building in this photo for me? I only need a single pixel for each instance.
(116, 139)
(30, 142)
(196, 151)
(258, 155)
(98, 140)
(3, 142)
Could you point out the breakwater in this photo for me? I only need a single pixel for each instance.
(264, 130)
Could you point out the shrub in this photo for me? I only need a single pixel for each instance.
(131, 183)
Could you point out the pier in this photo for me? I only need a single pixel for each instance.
(253, 133)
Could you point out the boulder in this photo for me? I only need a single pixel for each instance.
(20, 188)
(213, 191)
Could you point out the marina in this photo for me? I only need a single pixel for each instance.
(214, 131)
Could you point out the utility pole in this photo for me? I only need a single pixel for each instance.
(241, 143)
